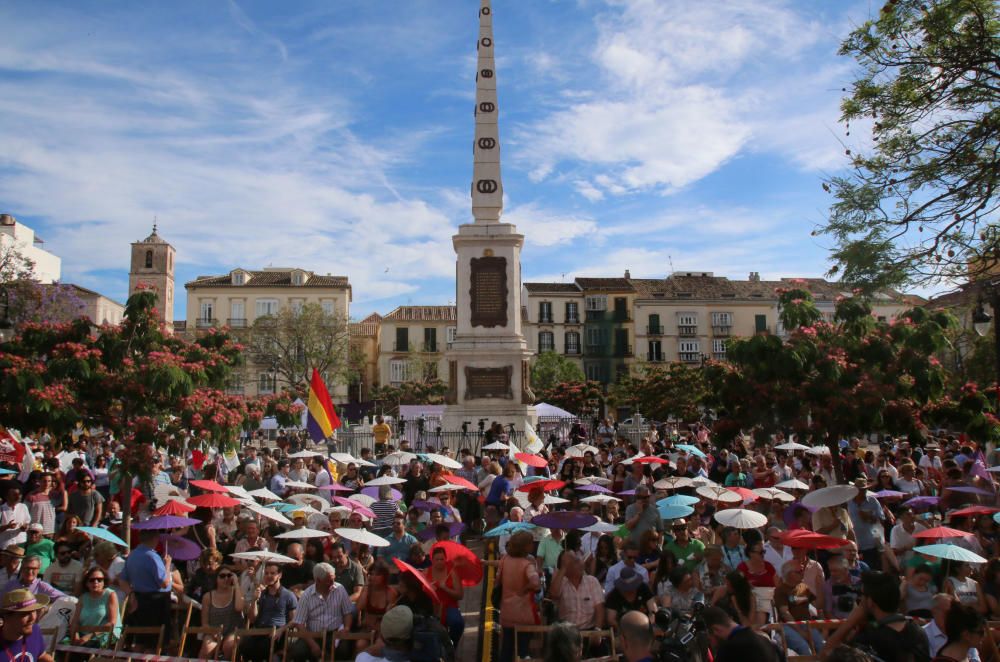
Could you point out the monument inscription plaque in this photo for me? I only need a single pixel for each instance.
(488, 383)
(488, 291)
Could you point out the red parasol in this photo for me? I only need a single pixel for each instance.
(650, 459)
(208, 485)
(531, 460)
(213, 501)
(458, 480)
(173, 507)
(806, 539)
(543, 485)
(466, 563)
(406, 567)
(748, 495)
(973, 510)
(941, 532)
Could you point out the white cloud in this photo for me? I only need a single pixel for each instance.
(547, 228)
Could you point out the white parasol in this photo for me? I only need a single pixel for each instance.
(363, 499)
(269, 557)
(238, 492)
(599, 498)
(444, 461)
(264, 493)
(819, 450)
(791, 446)
(269, 513)
(347, 458)
(301, 534)
(592, 480)
(773, 494)
(601, 527)
(496, 446)
(672, 483)
(793, 484)
(740, 518)
(398, 458)
(579, 450)
(385, 480)
(362, 536)
(447, 487)
(303, 509)
(720, 494)
(830, 496)
(309, 499)
(307, 454)
(299, 485)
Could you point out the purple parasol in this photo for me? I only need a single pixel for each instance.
(564, 519)
(166, 522)
(337, 487)
(454, 529)
(889, 494)
(922, 502)
(180, 549)
(626, 493)
(594, 488)
(969, 489)
(426, 506)
(373, 493)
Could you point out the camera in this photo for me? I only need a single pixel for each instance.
(684, 637)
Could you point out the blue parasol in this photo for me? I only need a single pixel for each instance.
(102, 534)
(693, 450)
(674, 512)
(508, 528)
(678, 500)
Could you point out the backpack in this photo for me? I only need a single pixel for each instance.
(430, 641)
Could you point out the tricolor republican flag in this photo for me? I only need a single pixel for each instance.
(321, 417)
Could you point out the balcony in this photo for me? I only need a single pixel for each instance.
(689, 357)
(430, 348)
(204, 323)
(398, 347)
(237, 322)
(654, 357)
(687, 331)
(722, 330)
(654, 330)
(575, 319)
(545, 319)
(719, 356)
(623, 350)
(621, 316)
(572, 350)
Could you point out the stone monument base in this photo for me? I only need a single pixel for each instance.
(502, 411)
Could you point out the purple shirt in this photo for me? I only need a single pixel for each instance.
(36, 587)
(23, 649)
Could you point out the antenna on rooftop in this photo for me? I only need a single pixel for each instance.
(670, 261)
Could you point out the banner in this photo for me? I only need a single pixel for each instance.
(11, 450)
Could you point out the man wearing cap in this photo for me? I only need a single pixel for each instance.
(687, 550)
(396, 630)
(10, 563)
(21, 637)
(40, 546)
(631, 593)
(642, 516)
(866, 517)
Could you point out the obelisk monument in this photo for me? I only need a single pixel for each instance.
(489, 361)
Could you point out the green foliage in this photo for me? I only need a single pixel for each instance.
(428, 392)
(921, 204)
(663, 392)
(577, 397)
(551, 368)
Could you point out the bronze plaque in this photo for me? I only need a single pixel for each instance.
(488, 383)
(488, 291)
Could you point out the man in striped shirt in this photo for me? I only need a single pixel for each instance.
(385, 509)
(323, 607)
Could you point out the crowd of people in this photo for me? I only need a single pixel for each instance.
(592, 533)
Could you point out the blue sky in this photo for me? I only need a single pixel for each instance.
(337, 136)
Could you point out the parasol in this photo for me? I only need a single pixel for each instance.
(363, 499)
(508, 528)
(969, 489)
(355, 507)
(299, 485)
(268, 557)
(973, 510)
(386, 480)
(302, 534)
(174, 507)
(332, 487)
(398, 458)
(651, 459)
(693, 450)
(496, 446)
(429, 533)
(426, 585)
(269, 513)
(674, 512)
(597, 489)
(347, 458)
(426, 506)
(102, 534)
(818, 450)
(238, 492)
(673, 483)
(208, 485)
(745, 493)
(447, 487)
(531, 460)
(773, 493)
(554, 500)
(720, 494)
(889, 494)
(304, 454)
(563, 519)
(922, 502)
(213, 500)
(180, 549)
(372, 491)
(630, 492)
(468, 566)
(458, 480)
(834, 495)
(362, 536)
(678, 500)
(740, 518)
(264, 493)
(793, 484)
(543, 485)
(804, 538)
(577, 451)
(601, 527)
(950, 552)
(941, 532)
(791, 446)
(444, 461)
(592, 480)
(599, 498)
(165, 522)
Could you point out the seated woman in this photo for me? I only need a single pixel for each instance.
(98, 606)
(680, 593)
(375, 599)
(222, 607)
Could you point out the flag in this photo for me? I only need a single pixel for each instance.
(11, 449)
(534, 443)
(322, 418)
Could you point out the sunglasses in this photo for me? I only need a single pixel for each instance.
(96, 579)
(225, 575)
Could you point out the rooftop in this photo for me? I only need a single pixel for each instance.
(423, 314)
(271, 278)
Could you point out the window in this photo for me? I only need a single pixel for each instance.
(237, 313)
(687, 319)
(449, 334)
(266, 307)
(206, 312)
(622, 348)
(402, 339)
(760, 323)
(719, 346)
(654, 328)
(597, 302)
(621, 309)
(149, 259)
(596, 337)
(572, 342)
(546, 341)
(298, 278)
(572, 312)
(296, 305)
(545, 312)
(267, 383)
(689, 346)
(239, 278)
(722, 319)
(595, 372)
(430, 339)
(327, 305)
(655, 351)
(399, 371)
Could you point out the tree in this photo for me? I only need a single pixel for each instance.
(423, 392)
(920, 206)
(577, 397)
(551, 368)
(663, 392)
(295, 340)
(31, 301)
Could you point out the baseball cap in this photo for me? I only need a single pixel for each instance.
(397, 623)
(37, 527)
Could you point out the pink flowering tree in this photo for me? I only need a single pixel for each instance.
(152, 390)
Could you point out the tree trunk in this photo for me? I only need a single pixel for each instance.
(125, 490)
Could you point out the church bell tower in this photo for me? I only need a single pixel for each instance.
(152, 268)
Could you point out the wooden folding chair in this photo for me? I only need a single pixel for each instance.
(49, 635)
(299, 633)
(203, 631)
(89, 629)
(528, 629)
(135, 630)
(608, 634)
(243, 633)
(353, 636)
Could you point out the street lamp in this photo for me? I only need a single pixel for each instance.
(981, 319)
(5, 323)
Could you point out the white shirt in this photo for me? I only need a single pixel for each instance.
(776, 558)
(16, 536)
(900, 537)
(938, 639)
(615, 570)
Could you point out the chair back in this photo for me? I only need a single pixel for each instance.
(136, 630)
(300, 633)
(199, 632)
(244, 633)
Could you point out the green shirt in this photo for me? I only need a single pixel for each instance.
(45, 550)
(690, 554)
(549, 551)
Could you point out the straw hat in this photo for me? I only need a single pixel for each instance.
(22, 600)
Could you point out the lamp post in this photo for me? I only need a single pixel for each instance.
(981, 321)
(5, 323)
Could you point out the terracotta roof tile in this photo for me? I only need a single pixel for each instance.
(552, 288)
(606, 284)
(423, 314)
(271, 279)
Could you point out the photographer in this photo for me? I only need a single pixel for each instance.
(893, 637)
(734, 643)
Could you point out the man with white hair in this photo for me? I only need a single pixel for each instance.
(323, 607)
(792, 598)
